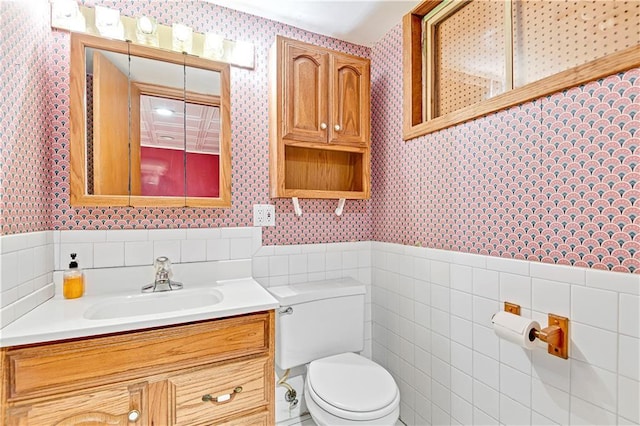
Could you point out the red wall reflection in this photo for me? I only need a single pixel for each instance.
(162, 173)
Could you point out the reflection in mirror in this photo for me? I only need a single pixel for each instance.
(107, 100)
(161, 146)
(202, 133)
(139, 136)
(158, 90)
(130, 96)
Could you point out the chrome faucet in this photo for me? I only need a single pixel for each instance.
(163, 280)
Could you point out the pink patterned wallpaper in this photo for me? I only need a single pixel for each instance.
(556, 180)
(25, 185)
(250, 143)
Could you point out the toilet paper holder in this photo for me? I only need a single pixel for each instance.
(555, 335)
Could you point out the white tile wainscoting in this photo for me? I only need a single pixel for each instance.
(431, 314)
(26, 273)
(138, 247)
(427, 318)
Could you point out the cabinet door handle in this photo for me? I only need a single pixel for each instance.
(133, 415)
(222, 399)
(337, 127)
(323, 126)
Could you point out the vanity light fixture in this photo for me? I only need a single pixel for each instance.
(243, 51)
(147, 31)
(69, 15)
(108, 23)
(66, 14)
(182, 37)
(213, 46)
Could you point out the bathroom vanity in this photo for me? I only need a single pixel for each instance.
(63, 365)
(208, 372)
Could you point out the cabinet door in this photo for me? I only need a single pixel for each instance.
(350, 100)
(305, 79)
(117, 406)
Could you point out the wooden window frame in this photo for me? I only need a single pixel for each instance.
(414, 125)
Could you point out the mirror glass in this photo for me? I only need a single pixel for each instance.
(107, 127)
(202, 132)
(158, 129)
(153, 129)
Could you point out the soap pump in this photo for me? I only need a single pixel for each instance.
(73, 280)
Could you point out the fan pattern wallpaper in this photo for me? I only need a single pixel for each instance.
(554, 180)
(250, 143)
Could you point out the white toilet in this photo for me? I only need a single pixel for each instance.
(322, 323)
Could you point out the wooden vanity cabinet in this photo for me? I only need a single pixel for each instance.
(320, 122)
(211, 372)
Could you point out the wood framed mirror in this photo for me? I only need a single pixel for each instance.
(149, 127)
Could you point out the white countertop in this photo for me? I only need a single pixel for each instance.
(60, 318)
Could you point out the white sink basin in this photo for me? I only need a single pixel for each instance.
(153, 303)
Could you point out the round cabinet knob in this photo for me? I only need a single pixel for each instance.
(323, 126)
(337, 127)
(133, 415)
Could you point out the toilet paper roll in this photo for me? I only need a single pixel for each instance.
(515, 328)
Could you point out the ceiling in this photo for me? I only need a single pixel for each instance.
(362, 22)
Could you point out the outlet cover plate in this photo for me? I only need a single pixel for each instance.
(264, 215)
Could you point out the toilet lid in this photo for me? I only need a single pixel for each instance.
(352, 382)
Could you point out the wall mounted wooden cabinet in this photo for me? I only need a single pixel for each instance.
(165, 376)
(319, 125)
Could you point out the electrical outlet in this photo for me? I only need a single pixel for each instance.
(264, 215)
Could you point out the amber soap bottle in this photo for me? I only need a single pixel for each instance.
(73, 280)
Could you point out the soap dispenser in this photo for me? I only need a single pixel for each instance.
(73, 280)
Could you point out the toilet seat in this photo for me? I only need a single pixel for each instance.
(352, 387)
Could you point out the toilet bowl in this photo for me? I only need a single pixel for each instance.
(348, 389)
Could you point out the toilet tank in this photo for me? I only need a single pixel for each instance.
(326, 318)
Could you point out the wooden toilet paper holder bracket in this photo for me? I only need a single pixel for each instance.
(512, 308)
(555, 335)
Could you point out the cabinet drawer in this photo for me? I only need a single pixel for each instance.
(248, 378)
(43, 369)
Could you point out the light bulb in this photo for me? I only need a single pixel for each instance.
(145, 25)
(182, 38)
